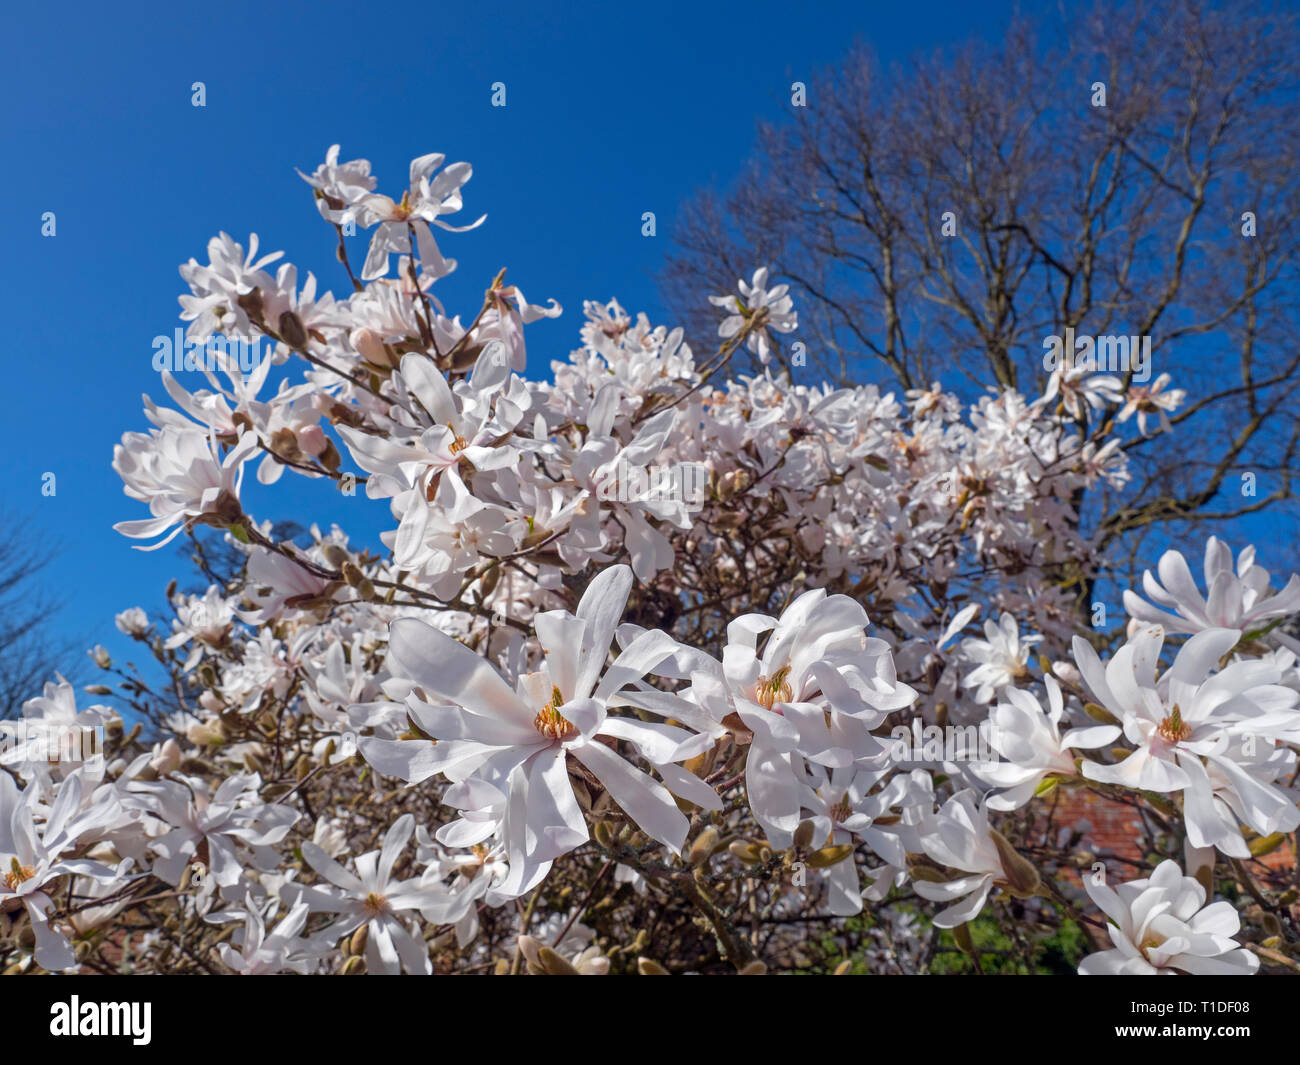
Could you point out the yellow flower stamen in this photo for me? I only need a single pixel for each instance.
(770, 690)
(842, 809)
(17, 874)
(1173, 728)
(551, 723)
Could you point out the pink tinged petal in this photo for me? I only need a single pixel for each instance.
(843, 888)
(963, 911)
(1094, 675)
(452, 723)
(1217, 919)
(412, 950)
(1108, 963)
(1140, 770)
(586, 715)
(1139, 608)
(1267, 809)
(1239, 962)
(1090, 737)
(1206, 826)
(464, 833)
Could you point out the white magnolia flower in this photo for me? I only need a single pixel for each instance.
(844, 805)
(1144, 400)
(425, 202)
(34, 858)
(1188, 723)
(1080, 388)
(1002, 656)
(815, 692)
(959, 836)
(524, 740)
(372, 897)
(1241, 600)
(475, 878)
(132, 622)
(53, 732)
(341, 186)
(1161, 926)
(1030, 740)
(254, 952)
(179, 473)
(222, 830)
(773, 306)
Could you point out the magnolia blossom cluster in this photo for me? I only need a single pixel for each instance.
(374, 758)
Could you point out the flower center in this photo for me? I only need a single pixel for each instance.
(551, 723)
(841, 809)
(1173, 728)
(458, 445)
(1151, 947)
(773, 689)
(376, 903)
(17, 874)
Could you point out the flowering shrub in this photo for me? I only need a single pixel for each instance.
(572, 720)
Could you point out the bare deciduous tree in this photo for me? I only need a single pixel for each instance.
(939, 221)
(28, 656)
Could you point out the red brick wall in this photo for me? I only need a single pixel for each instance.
(1117, 828)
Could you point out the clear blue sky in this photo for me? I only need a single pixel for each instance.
(612, 110)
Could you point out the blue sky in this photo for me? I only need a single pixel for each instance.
(611, 111)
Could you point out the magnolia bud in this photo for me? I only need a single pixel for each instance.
(828, 856)
(702, 849)
(370, 346)
(1021, 876)
(553, 964)
(335, 555)
(292, 331)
